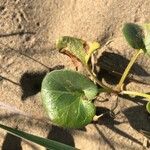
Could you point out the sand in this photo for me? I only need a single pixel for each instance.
(28, 31)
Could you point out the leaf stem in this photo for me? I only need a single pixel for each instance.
(126, 72)
(136, 94)
(106, 89)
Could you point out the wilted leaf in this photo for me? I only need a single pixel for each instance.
(49, 144)
(67, 97)
(148, 107)
(77, 47)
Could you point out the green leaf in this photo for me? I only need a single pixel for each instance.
(77, 47)
(138, 36)
(49, 144)
(148, 107)
(67, 97)
(134, 35)
(146, 29)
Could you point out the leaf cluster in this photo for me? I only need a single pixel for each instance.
(68, 95)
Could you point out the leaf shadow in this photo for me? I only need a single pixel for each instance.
(113, 65)
(14, 143)
(61, 135)
(137, 99)
(30, 82)
(11, 142)
(108, 121)
(55, 133)
(105, 138)
(142, 122)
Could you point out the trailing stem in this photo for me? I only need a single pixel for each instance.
(126, 72)
(136, 94)
(106, 89)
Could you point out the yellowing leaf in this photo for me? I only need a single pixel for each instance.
(92, 47)
(77, 47)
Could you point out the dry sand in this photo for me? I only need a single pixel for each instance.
(28, 30)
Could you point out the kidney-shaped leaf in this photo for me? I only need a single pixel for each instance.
(67, 97)
(77, 47)
(134, 35)
(138, 36)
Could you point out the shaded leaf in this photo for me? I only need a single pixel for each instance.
(77, 47)
(67, 97)
(134, 35)
(138, 36)
(49, 144)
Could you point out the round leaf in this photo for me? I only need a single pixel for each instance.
(148, 107)
(67, 97)
(134, 35)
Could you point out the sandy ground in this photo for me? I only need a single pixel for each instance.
(28, 30)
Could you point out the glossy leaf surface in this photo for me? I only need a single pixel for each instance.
(67, 97)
